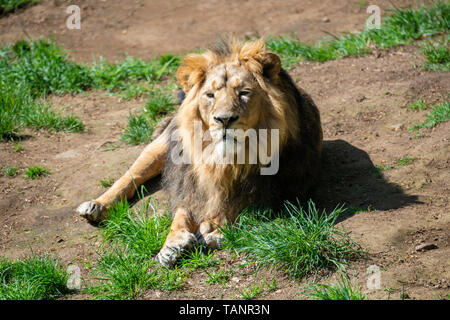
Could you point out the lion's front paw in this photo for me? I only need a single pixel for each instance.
(212, 240)
(92, 211)
(173, 248)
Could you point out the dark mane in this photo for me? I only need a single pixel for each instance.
(221, 47)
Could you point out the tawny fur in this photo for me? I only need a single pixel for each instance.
(247, 85)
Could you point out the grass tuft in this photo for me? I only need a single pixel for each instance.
(198, 259)
(139, 129)
(221, 277)
(437, 55)
(32, 278)
(300, 242)
(342, 290)
(400, 163)
(106, 183)
(418, 104)
(140, 126)
(439, 113)
(10, 171)
(35, 172)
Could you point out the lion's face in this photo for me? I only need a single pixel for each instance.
(233, 91)
(229, 100)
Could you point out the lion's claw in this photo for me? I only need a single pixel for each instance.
(172, 251)
(212, 240)
(92, 211)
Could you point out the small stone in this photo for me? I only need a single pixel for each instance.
(397, 127)
(326, 19)
(425, 247)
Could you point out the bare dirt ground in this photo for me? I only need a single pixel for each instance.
(365, 120)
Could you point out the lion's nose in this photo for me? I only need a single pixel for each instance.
(226, 120)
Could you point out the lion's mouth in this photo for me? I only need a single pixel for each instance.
(226, 138)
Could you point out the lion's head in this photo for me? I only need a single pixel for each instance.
(234, 86)
(240, 87)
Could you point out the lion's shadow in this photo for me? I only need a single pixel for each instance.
(349, 178)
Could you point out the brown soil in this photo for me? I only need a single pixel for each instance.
(144, 28)
(363, 107)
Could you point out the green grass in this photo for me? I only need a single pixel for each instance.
(140, 126)
(437, 54)
(125, 268)
(405, 161)
(132, 76)
(32, 69)
(43, 67)
(221, 277)
(159, 103)
(400, 163)
(10, 171)
(32, 278)
(342, 290)
(251, 292)
(439, 113)
(401, 27)
(362, 3)
(418, 104)
(198, 259)
(350, 211)
(106, 183)
(18, 147)
(298, 241)
(139, 129)
(383, 167)
(35, 172)
(46, 68)
(28, 71)
(111, 147)
(12, 5)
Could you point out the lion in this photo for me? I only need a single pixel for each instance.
(238, 86)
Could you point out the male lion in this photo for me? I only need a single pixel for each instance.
(238, 86)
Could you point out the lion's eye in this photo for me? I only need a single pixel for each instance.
(243, 94)
(210, 95)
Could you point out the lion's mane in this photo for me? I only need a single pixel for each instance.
(211, 190)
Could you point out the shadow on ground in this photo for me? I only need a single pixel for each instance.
(349, 178)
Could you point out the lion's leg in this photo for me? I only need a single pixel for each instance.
(181, 238)
(148, 165)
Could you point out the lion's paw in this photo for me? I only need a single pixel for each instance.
(212, 240)
(92, 211)
(172, 250)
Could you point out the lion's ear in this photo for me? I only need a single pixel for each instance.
(271, 64)
(192, 71)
